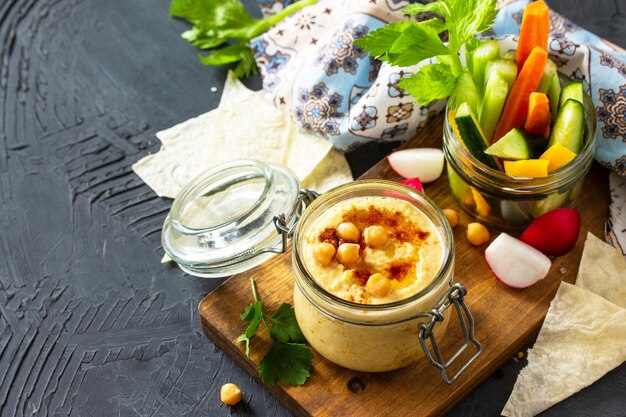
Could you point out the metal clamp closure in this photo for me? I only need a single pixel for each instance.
(454, 296)
(305, 197)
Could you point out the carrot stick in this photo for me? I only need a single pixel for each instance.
(533, 31)
(516, 106)
(538, 118)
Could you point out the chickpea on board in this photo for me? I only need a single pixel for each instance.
(230, 394)
(477, 234)
(452, 216)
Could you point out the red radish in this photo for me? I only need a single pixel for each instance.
(554, 233)
(424, 163)
(516, 263)
(414, 183)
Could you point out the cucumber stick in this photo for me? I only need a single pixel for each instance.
(554, 92)
(486, 51)
(472, 136)
(492, 104)
(573, 90)
(569, 127)
(507, 70)
(546, 79)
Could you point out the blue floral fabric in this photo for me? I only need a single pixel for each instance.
(312, 70)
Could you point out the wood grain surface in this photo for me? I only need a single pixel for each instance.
(507, 319)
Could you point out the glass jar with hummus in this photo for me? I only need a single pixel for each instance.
(373, 263)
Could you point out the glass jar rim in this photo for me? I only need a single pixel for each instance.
(434, 214)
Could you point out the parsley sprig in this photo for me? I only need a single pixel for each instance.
(216, 22)
(407, 43)
(289, 359)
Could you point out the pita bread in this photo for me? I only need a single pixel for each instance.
(603, 271)
(245, 125)
(582, 338)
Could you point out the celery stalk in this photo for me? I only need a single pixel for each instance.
(492, 104)
(509, 56)
(466, 92)
(487, 51)
(506, 69)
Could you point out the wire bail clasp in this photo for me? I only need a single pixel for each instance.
(454, 296)
(305, 197)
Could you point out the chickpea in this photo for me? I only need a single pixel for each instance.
(230, 394)
(452, 216)
(378, 285)
(323, 253)
(348, 253)
(348, 232)
(375, 236)
(477, 234)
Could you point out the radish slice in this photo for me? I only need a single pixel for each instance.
(424, 163)
(414, 183)
(516, 263)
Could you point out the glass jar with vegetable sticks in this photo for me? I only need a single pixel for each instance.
(511, 202)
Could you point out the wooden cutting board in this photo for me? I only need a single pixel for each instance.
(507, 320)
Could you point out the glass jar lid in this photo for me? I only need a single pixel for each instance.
(232, 217)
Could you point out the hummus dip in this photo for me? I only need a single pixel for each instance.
(377, 252)
(373, 250)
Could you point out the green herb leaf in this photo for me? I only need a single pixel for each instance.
(438, 7)
(215, 22)
(466, 18)
(284, 325)
(227, 55)
(289, 363)
(436, 24)
(432, 82)
(379, 41)
(407, 43)
(253, 314)
(418, 42)
(246, 66)
(236, 52)
(212, 14)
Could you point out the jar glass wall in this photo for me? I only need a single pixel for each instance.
(511, 203)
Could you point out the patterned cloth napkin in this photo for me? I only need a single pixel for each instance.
(312, 71)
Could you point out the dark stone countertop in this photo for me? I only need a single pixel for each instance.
(91, 324)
